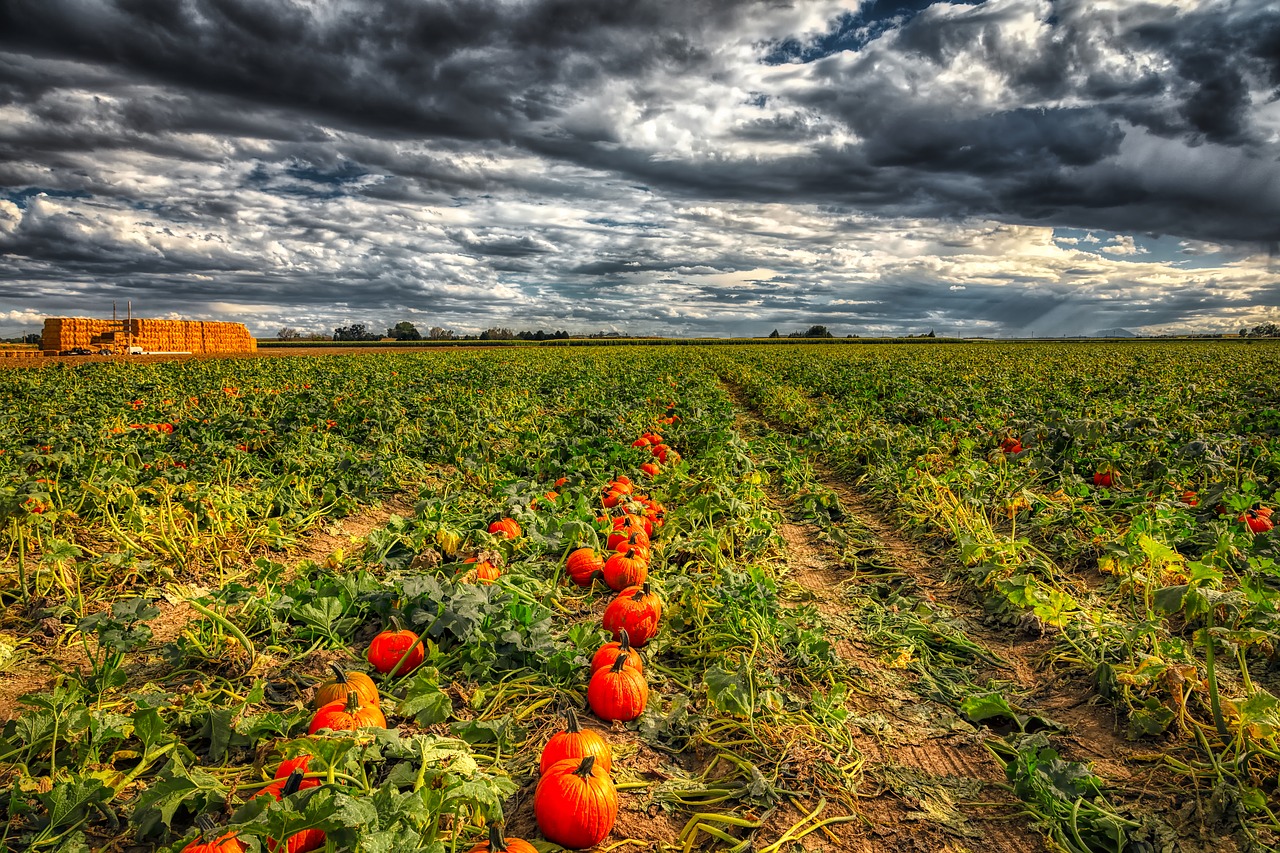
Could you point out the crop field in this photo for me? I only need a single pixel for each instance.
(970, 597)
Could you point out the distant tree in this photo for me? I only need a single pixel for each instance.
(1265, 330)
(436, 333)
(774, 334)
(288, 333)
(354, 332)
(1244, 333)
(31, 338)
(930, 335)
(404, 331)
(816, 332)
(497, 334)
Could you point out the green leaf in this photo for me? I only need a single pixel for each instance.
(730, 692)
(69, 802)
(176, 786)
(1170, 599)
(426, 703)
(148, 726)
(1150, 720)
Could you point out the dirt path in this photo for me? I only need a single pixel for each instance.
(923, 777)
(1093, 732)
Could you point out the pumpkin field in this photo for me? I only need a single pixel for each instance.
(770, 598)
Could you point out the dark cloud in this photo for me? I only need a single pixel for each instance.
(419, 154)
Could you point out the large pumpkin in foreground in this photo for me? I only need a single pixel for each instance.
(575, 803)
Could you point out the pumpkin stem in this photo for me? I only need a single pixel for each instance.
(339, 676)
(584, 769)
(205, 824)
(620, 661)
(353, 702)
(624, 642)
(496, 841)
(292, 784)
(571, 721)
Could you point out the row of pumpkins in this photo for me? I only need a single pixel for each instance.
(575, 762)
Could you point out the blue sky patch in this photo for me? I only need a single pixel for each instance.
(854, 30)
(23, 196)
(1145, 248)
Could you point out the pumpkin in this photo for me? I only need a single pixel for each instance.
(299, 842)
(628, 537)
(653, 469)
(575, 803)
(347, 716)
(396, 652)
(577, 743)
(284, 773)
(618, 692)
(584, 565)
(486, 572)
(497, 843)
(342, 684)
(620, 486)
(612, 498)
(1189, 498)
(1103, 479)
(640, 442)
(660, 452)
(1257, 520)
(505, 528)
(624, 570)
(636, 610)
(609, 652)
(226, 843)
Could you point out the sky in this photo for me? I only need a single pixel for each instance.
(684, 167)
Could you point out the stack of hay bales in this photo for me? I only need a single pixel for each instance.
(193, 336)
(226, 337)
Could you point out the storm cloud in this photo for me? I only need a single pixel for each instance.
(667, 166)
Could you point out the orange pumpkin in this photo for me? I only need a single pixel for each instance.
(299, 842)
(505, 528)
(396, 652)
(619, 692)
(609, 652)
(497, 843)
(624, 570)
(347, 716)
(576, 743)
(636, 610)
(342, 684)
(284, 773)
(575, 803)
(584, 565)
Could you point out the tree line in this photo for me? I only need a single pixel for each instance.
(406, 331)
